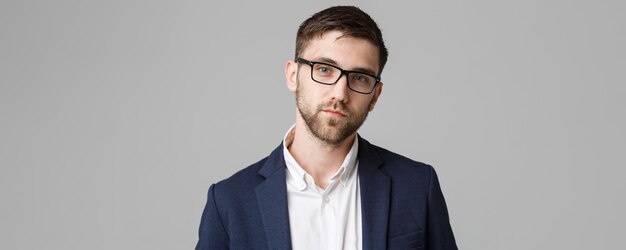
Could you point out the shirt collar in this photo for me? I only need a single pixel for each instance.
(298, 174)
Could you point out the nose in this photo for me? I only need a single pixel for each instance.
(341, 90)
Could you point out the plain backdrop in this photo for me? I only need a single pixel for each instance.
(116, 116)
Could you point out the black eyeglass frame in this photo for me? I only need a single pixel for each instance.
(343, 72)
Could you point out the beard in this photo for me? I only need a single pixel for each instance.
(330, 130)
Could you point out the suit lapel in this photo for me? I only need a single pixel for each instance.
(375, 192)
(272, 200)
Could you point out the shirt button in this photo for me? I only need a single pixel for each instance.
(326, 199)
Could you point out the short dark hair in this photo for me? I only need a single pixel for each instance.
(349, 20)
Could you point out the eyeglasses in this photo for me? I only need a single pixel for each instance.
(328, 74)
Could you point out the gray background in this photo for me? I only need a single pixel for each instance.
(116, 116)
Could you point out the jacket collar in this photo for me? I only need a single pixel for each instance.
(272, 198)
(271, 195)
(376, 186)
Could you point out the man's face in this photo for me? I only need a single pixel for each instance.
(333, 113)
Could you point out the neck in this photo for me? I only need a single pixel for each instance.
(316, 157)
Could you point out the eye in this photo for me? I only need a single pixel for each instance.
(360, 78)
(323, 69)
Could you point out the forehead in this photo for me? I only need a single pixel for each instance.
(348, 52)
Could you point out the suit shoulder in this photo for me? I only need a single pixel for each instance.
(395, 159)
(410, 176)
(243, 179)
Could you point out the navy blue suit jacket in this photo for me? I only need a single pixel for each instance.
(401, 204)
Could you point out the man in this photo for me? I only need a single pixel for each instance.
(325, 187)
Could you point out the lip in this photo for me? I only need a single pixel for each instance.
(334, 113)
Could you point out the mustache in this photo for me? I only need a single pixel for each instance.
(335, 106)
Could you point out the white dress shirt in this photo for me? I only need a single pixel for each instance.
(323, 218)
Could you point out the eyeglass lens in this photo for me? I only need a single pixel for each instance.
(329, 74)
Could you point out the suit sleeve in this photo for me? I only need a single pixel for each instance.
(440, 236)
(212, 234)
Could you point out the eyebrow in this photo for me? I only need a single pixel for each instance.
(333, 62)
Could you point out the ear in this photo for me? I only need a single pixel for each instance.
(291, 74)
(377, 91)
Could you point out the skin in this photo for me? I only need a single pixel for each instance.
(321, 149)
